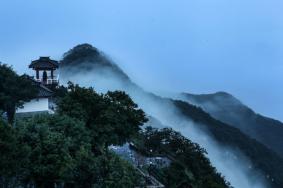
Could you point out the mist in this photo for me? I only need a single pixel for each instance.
(229, 162)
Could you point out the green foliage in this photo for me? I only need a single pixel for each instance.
(13, 156)
(105, 170)
(14, 90)
(71, 147)
(52, 142)
(112, 118)
(117, 172)
(189, 168)
(50, 149)
(60, 91)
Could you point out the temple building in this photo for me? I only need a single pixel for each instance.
(46, 78)
(45, 71)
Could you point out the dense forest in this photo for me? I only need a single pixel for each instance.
(14, 91)
(71, 147)
(189, 167)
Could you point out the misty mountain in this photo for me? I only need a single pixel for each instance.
(228, 109)
(93, 59)
(87, 66)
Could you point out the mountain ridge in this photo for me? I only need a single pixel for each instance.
(230, 110)
(263, 159)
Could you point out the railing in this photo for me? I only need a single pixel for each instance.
(52, 81)
(49, 80)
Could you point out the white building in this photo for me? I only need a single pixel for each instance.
(45, 80)
(43, 102)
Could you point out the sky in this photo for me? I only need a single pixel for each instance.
(196, 46)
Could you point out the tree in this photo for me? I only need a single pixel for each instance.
(14, 91)
(189, 166)
(58, 150)
(70, 147)
(117, 173)
(13, 156)
(105, 170)
(49, 155)
(112, 118)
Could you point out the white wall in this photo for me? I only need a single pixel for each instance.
(35, 105)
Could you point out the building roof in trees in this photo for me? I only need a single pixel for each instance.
(44, 91)
(44, 63)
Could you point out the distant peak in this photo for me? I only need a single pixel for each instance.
(223, 94)
(86, 57)
(85, 46)
(216, 94)
(80, 52)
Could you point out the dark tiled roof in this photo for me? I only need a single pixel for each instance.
(44, 63)
(44, 91)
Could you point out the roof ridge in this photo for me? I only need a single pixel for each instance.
(46, 88)
(43, 62)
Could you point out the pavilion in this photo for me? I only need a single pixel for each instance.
(45, 69)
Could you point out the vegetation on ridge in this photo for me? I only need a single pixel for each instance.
(70, 148)
(228, 109)
(189, 167)
(262, 159)
(14, 91)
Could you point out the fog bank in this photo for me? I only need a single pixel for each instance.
(229, 162)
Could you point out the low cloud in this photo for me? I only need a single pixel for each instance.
(229, 162)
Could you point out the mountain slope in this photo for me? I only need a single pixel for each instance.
(261, 157)
(230, 110)
(93, 59)
(84, 68)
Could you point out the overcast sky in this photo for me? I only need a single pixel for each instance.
(197, 46)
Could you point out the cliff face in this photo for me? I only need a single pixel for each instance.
(88, 66)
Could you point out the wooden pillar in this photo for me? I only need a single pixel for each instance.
(37, 74)
(51, 74)
(44, 77)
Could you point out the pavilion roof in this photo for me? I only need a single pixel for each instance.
(44, 63)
